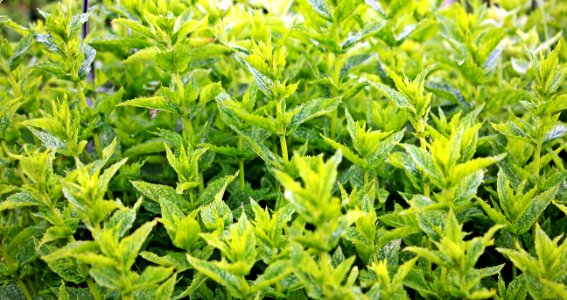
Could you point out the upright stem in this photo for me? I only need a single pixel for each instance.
(85, 102)
(187, 126)
(201, 183)
(241, 164)
(537, 158)
(24, 289)
(81, 94)
(337, 66)
(283, 144)
(96, 140)
(423, 143)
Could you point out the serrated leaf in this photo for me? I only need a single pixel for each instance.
(155, 102)
(130, 246)
(556, 132)
(215, 189)
(48, 42)
(21, 48)
(532, 212)
(141, 56)
(349, 154)
(85, 67)
(139, 28)
(165, 290)
(262, 81)
(313, 109)
(322, 8)
(22, 199)
(393, 95)
(48, 140)
(236, 285)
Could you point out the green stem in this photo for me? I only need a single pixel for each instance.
(365, 176)
(96, 141)
(283, 144)
(83, 99)
(192, 197)
(537, 158)
(428, 263)
(94, 291)
(241, 164)
(337, 66)
(187, 126)
(81, 94)
(179, 84)
(24, 289)
(423, 143)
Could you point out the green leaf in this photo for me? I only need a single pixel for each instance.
(236, 285)
(262, 81)
(22, 199)
(266, 123)
(187, 233)
(446, 91)
(130, 246)
(322, 8)
(216, 214)
(215, 189)
(165, 290)
(156, 192)
(170, 259)
(312, 109)
(12, 292)
(156, 102)
(48, 140)
(349, 154)
(153, 275)
(141, 56)
(106, 277)
(556, 132)
(62, 295)
(495, 215)
(274, 273)
(85, 67)
(470, 167)
(532, 212)
(137, 27)
(424, 161)
(48, 42)
(21, 48)
(393, 95)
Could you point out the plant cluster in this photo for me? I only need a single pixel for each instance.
(309, 149)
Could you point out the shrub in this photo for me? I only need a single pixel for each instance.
(322, 149)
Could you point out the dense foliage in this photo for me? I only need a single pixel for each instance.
(326, 149)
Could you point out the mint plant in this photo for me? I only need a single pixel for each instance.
(310, 149)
